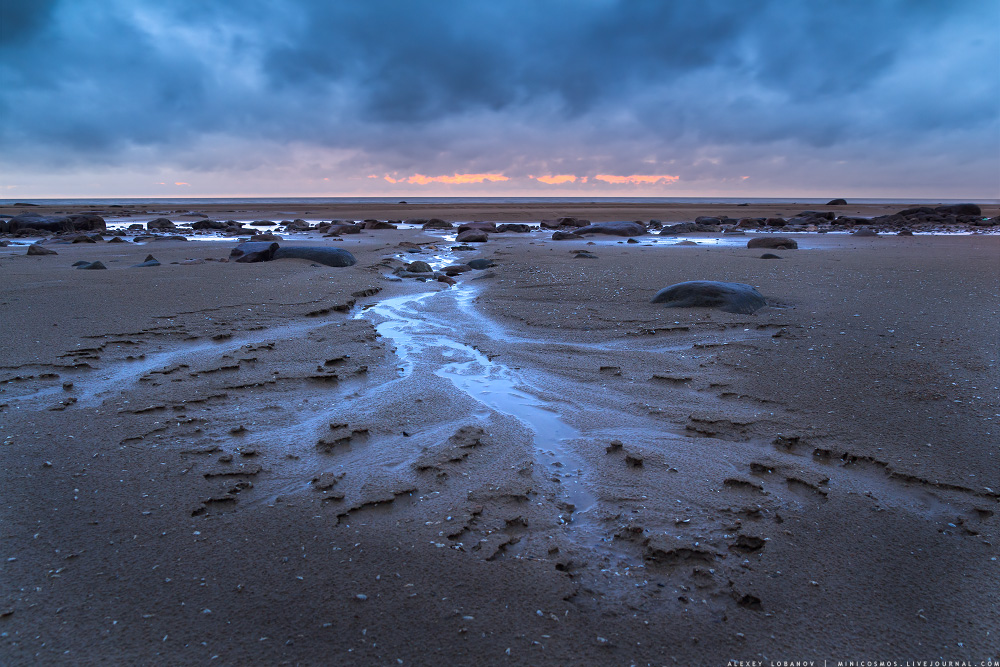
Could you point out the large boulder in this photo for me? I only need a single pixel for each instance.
(614, 228)
(565, 236)
(336, 230)
(837, 202)
(319, 254)
(378, 224)
(254, 251)
(160, 223)
(730, 297)
(959, 209)
(472, 236)
(208, 224)
(782, 242)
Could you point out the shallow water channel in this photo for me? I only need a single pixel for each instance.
(423, 337)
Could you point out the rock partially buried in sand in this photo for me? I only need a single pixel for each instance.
(337, 257)
(262, 251)
(149, 261)
(730, 297)
(92, 266)
(837, 202)
(35, 249)
(782, 242)
(769, 255)
(472, 236)
(864, 231)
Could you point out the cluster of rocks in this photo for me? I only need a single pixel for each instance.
(421, 270)
(34, 224)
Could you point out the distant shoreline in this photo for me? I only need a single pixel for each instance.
(416, 201)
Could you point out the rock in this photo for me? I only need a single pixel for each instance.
(149, 261)
(774, 222)
(162, 238)
(707, 220)
(484, 226)
(614, 228)
(917, 210)
(518, 227)
(905, 232)
(565, 236)
(959, 209)
(83, 238)
(769, 255)
(864, 231)
(378, 224)
(782, 242)
(266, 236)
(253, 251)
(337, 257)
(480, 264)
(573, 222)
(472, 236)
(92, 266)
(419, 267)
(118, 239)
(335, 230)
(433, 223)
(160, 223)
(297, 225)
(455, 269)
(34, 250)
(631, 241)
(729, 297)
(208, 224)
(584, 255)
(837, 202)
(262, 223)
(823, 215)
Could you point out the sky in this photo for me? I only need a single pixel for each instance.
(575, 98)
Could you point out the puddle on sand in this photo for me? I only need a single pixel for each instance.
(422, 337)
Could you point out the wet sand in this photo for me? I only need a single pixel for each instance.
(283, 463)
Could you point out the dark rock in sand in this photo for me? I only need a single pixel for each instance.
(823, 215)
(298, 225)
(472, 236)
(730, 297)
(769, 255)
(782, 242)
(959, 209)
(378, 224)
(480, 264)
(208, 224)
(160, 223)
(433, 223)
(614, 228)
(262, 223)
(565, 236)
(83, 238)
(837, 202)
(162, 238)
(419, 267)
(149, 261)
(92, 266)
(266, 236)
(334, 230)
(253, 251)
(34, 249)
(337, 257)
(774, 222)
(864, 231)
(80, 263)
(584, 255)
(905, 232)
(518, 227)
(117, 239)
(707, 220)
(483, 226)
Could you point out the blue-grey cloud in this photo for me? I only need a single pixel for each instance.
(519, 86)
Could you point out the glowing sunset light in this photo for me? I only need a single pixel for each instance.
(637, 179)
(558, 179)
(182, 183)
(420, 179)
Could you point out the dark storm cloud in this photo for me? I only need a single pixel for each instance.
(525, 83)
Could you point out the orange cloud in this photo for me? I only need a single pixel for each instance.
(420, 179)
(558, 179)
(180, 183)
(637, 179)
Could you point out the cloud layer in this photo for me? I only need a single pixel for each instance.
(244, 97)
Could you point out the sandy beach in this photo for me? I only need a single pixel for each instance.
(212, 462)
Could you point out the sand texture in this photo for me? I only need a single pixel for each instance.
(281, 462)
